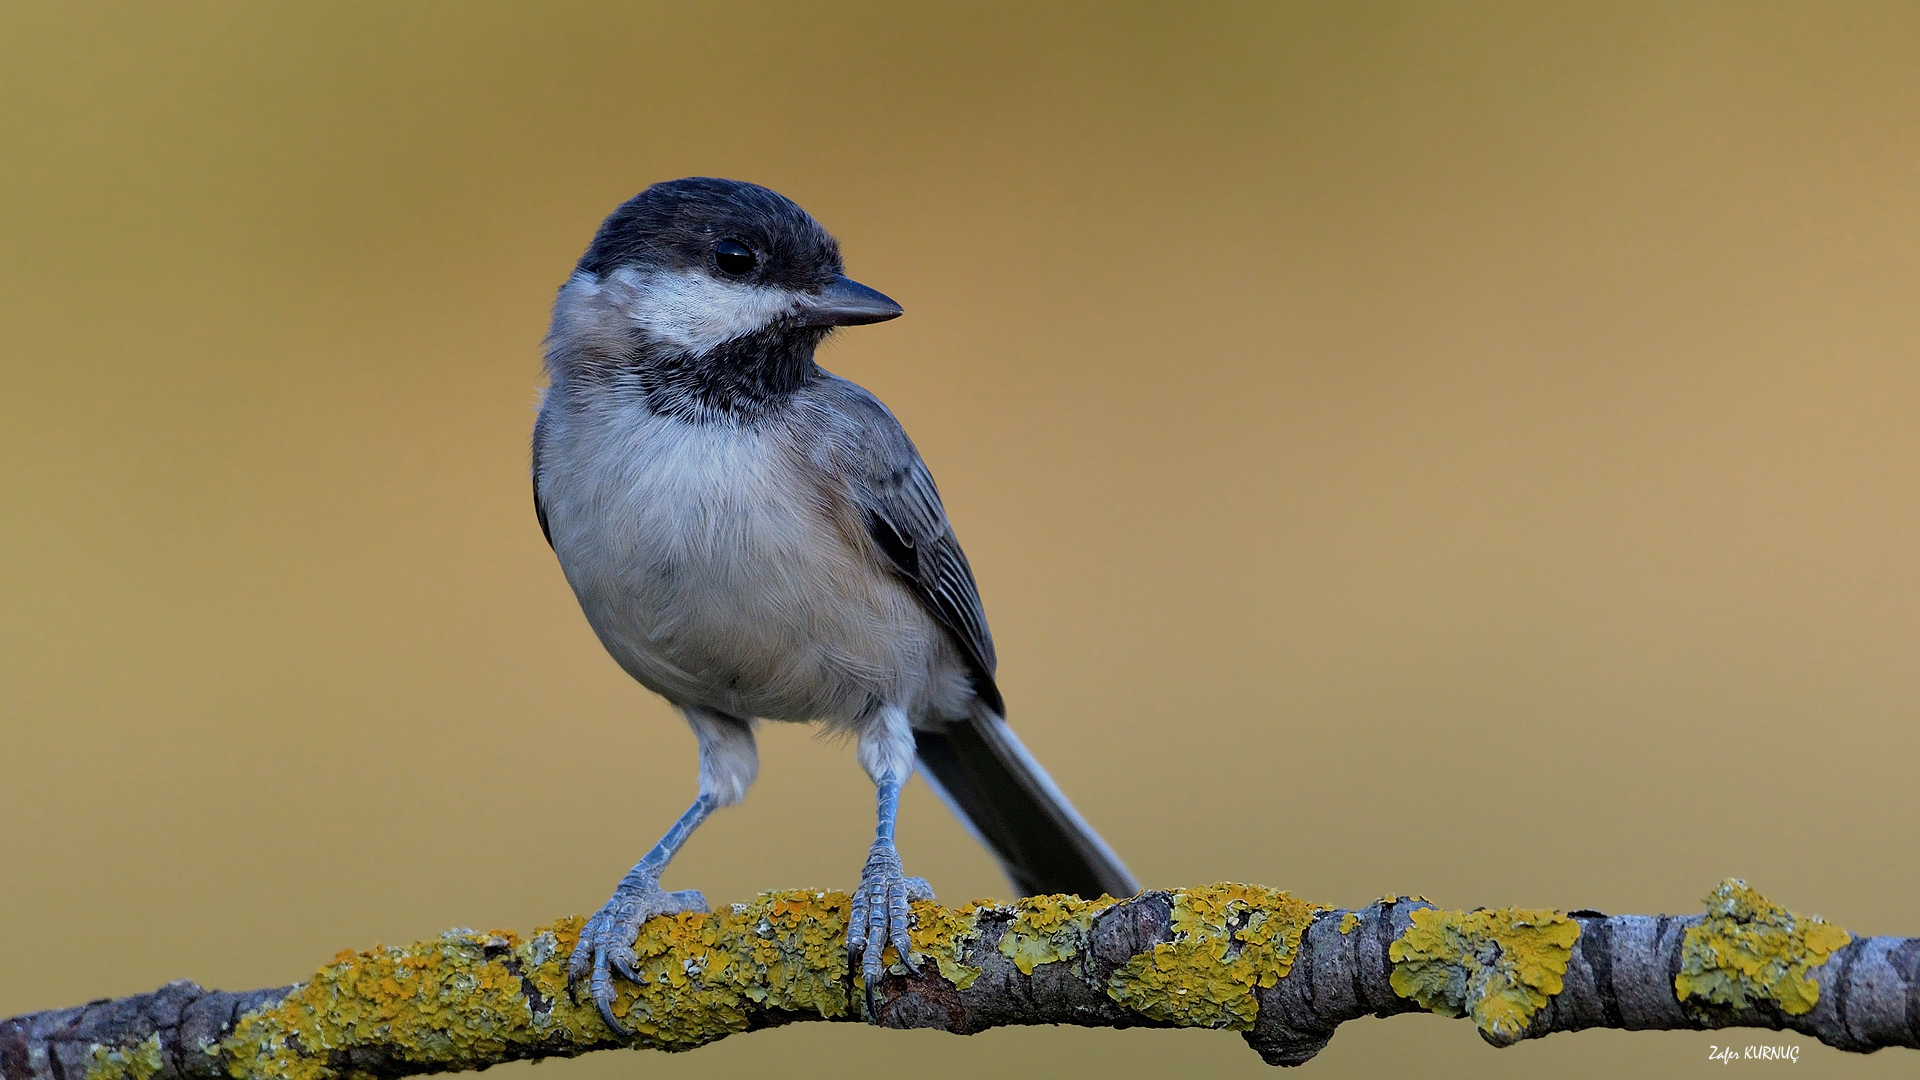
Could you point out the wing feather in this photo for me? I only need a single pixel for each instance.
(907, 522)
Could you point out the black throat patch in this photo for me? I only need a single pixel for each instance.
(743, 380)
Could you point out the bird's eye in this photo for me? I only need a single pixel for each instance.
(734, 257)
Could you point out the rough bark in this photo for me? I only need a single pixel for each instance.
(1283, 972)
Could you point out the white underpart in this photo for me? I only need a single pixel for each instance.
(729, 760)
(714, 565)
(886, 746)
(692, 310)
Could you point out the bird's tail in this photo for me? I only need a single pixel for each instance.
(1014, 808)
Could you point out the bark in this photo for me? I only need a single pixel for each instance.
(1283, 972)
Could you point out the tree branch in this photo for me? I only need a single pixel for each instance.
(1283, 972)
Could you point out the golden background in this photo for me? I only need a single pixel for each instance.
(1457, 449)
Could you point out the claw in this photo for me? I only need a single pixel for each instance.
(603, 996)
(881, 917)
(623, 967)
(897, 925)
(605, 948)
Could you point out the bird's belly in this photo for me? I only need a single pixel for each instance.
(716, 578)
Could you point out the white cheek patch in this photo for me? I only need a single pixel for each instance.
(688, 309)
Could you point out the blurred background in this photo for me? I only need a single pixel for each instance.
(1459, 449)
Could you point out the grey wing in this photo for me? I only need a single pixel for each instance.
(540, 508)
(907, 522)
(979, 767)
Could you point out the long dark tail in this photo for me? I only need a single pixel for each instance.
(1013, 807)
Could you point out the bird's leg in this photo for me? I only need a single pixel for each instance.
(728, 765)
(606, 942)
(879, 913)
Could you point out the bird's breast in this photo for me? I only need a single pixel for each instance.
(716, 568)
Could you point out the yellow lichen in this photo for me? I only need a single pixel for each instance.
(943, 934)
(469, 1000)
(442, 1001)
(462, 1001)
(1499, 967)
(1046, 929)
(1228, 940)
(1751, 949)
(139, 1062)
(786, 950)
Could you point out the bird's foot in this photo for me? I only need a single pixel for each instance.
(880, 915)
(605, 948)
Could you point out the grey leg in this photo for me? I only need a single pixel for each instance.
(880, 903)
(606, 942)
(728, 763)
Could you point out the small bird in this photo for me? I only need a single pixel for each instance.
(754, 538)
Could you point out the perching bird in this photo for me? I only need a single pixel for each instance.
(754, 539)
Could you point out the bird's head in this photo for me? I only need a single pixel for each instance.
(708, 294)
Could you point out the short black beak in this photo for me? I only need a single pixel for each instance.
(847, 303)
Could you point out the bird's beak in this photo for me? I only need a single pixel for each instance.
(846, 303)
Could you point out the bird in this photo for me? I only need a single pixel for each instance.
(756, 539)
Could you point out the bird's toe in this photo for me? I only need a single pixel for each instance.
(881, 917)
(605, 948)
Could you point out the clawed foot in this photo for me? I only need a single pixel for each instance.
(880, 914)
(606, 942)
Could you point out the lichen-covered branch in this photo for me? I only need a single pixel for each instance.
(1281, 971)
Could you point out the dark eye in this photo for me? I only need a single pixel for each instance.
(734, 257)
